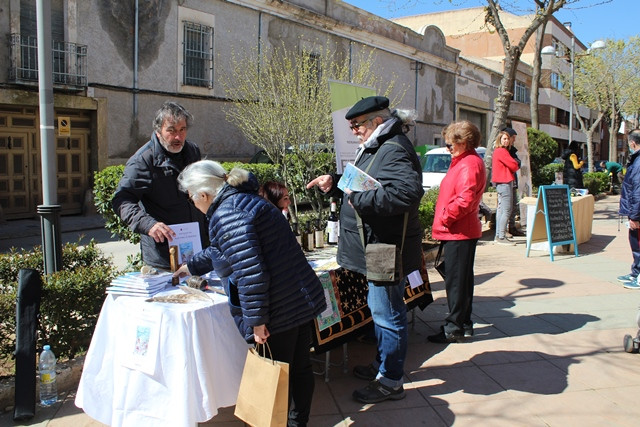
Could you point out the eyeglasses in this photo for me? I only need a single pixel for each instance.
(448, 146)
(355, 126)
(191, 198)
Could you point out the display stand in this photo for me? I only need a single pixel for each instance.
(554, 210)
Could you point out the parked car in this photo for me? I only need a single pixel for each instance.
(437, 164)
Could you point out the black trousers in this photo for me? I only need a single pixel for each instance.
(293, 346)
(459, 256)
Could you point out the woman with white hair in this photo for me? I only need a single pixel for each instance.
(274, 294)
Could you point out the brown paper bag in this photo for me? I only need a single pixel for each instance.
(263, 399)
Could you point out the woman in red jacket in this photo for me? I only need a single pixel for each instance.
(457, 225)
(503, 168)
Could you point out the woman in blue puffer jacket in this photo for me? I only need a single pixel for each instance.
(274, 294)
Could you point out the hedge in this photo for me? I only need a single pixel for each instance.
(71, 298)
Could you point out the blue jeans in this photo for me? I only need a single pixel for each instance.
(389, 313)
(505, 204)
(634, 242)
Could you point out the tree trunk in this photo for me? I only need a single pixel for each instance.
(502, 104)
(588, 133)
(615, 120)
(535, 77)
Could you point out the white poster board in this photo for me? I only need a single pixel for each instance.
(343, 96)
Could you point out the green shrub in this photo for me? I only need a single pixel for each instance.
(546, 175)
(262, 171)
(71, 299)
(104, 187)
(596, 182)
(426, 211)
(542, 150)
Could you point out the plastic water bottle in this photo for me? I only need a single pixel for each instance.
(47, 368)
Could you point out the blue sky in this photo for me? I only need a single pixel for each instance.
(590, 19)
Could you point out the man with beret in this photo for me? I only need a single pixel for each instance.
(513, 230)
(386, 154)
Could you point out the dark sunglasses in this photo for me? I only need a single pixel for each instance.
(355, 126)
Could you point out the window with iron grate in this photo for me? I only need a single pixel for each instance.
(197, 55)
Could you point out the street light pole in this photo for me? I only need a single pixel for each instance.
(572, 58)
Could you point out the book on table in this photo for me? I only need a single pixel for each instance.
(136, 283)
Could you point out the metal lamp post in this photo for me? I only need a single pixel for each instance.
(49, 210)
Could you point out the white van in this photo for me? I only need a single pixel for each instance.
(436, 165)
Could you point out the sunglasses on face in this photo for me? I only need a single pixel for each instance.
(356, 126)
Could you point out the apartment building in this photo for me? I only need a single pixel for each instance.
(465, 30)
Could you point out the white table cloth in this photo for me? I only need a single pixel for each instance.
(161, 364)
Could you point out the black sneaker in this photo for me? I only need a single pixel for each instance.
(516, 233)
(468, 330)
(376, 392)
(365, 372)
(445, 338)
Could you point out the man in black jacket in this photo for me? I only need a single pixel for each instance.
(147, 198)
(386, 154)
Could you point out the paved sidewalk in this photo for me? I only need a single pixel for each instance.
(547, 349)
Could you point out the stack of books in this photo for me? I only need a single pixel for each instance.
(138, 284)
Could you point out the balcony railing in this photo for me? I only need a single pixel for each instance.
(69, 62)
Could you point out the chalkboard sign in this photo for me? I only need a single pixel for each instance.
(554, 204)
(558, 213)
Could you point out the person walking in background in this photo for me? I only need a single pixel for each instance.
(615, 171)
(572, 172)
(389, 157)
(147, 198)
(457, 226)
(503, 169)
(274, 294)
(630, 207)
(276, 193)
(513, 229)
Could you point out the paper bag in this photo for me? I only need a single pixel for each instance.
(263, 399)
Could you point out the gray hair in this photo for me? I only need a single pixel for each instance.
(406, 117)
(208, 177)
(172, 112)
(634, 136)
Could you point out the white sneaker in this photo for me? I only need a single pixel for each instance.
(631, 285)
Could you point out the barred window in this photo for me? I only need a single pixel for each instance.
(197, 55)
(553, 115)
(521, 92)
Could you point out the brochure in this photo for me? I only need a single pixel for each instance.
(356, 179)
(187, 240)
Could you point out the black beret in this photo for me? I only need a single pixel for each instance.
(367, 105)
(510, 131)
